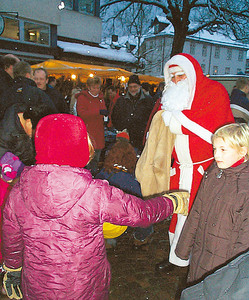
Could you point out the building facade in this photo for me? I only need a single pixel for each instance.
(216, 54)
(31, 29)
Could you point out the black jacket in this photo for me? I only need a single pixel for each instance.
(133, 114)
(57, 99)
(6, 81)
(23, 91)
(13, 137)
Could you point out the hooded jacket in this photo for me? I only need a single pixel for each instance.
(217, 227)
(54, 230)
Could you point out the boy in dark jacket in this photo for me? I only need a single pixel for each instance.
(217, 227)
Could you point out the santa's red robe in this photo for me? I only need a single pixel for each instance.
(193, 151)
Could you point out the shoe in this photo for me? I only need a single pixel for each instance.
(138, 243)
(164, 266)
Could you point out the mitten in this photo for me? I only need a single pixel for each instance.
(12, 282)
(180, 202)
(11, 166)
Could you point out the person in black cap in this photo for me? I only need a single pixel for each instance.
(132, 112)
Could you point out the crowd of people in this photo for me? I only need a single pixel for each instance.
(180, 151)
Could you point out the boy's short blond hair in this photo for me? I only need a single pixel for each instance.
(236, 135)
(96, 80)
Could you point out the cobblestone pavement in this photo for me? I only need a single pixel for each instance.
(133, 269)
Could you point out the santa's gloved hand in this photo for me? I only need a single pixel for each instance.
(11, 166)
(12, 282)
(167, 115)
(180, 201)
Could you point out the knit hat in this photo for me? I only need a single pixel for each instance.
(123, 135)
(134, 79)
(176, 69)
(62, 139)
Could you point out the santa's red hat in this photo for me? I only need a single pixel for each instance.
(62, 139)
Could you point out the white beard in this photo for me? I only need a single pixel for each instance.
(176, 97)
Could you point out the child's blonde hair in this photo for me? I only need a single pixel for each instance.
(236, 135)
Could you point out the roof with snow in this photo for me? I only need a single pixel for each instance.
(204, 36)
(162, 19)
(110, 54)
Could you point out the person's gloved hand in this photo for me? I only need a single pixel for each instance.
(12, 282)
(104, 112)
(180, 202)
(11, 166)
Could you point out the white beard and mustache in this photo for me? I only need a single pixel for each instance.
(176, 96)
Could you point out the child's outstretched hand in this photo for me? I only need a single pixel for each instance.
(11, 166)
(12, 282)
(180, 202)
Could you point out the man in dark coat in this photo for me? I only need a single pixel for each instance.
(132, 112)
(239, 100)
(41, 80)
(6, 71)
(17, 129)
(24, 90)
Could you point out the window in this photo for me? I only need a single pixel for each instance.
(192, 48)
(68, 4)
(204, 50)
(227, 70)
(217, 52)
(83, 6)
(241, 55)
(25, 31)
(215, 70)
(11, 28)
(229, 54)
(36, 33)
(87, 6)
(203, 66)
(156, 28)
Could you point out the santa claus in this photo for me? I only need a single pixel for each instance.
(193, 107)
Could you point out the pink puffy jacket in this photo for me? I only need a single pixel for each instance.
(52, 227)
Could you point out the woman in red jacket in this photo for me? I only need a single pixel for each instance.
(91, 109)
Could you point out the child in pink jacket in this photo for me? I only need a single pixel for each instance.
(53, 244)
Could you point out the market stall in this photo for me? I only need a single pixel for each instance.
(81, 71)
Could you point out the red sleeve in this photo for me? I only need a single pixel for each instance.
(11, 233)
(211, 110)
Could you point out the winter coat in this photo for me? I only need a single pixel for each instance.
(229, 282)
(58, 99)
(122, 180)
(24, 91)
(132, 115)
(240, 105)
(13, 137)
(88, 108)
(217, 227)
(6, 81)
(52, 227)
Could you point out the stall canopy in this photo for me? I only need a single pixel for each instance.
(150, 79)
(66, 68)
(83, 71)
